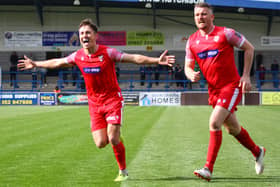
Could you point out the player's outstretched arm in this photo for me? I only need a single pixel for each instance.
(194, 76)
(27, 63)
(164, 59)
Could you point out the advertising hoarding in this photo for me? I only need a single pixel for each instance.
(160, 99)
(271, 98)
(72, 99)
(27, 98)
(47, 98)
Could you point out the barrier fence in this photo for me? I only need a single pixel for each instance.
(268, 77)
(129, 80)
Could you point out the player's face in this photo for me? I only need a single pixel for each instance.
(87, 37)
(203, 18)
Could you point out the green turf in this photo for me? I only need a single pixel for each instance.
(52, 146)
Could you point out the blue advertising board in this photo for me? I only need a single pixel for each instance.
(61, 39)
(27, 98)
(132, 1)
(259, 4)
(47, 98)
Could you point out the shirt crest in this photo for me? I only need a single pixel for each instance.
(100, 58)
(216, 38)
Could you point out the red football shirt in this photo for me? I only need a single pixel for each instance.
(98, 70)
(214, 54)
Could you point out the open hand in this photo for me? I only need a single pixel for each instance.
(166, 59)
(26, 63)
(245, 82)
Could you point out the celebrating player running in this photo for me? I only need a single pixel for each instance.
(97, 64)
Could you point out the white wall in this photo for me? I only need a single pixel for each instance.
(25, 18)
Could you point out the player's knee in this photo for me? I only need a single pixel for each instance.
(232, 131)
(101, 144)
(214, 125)
(114, 140)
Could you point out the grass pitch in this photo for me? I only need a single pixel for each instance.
(52, 146)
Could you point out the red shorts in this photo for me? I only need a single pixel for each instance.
(101, 116)
(227, 97)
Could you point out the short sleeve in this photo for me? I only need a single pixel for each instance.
(70, 59)
(115, 55)
(189, 55)
(234, 38)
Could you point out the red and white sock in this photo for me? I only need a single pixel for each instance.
(215, 142)
(244, 138)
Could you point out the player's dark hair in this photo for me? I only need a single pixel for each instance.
(90, 23)
(203, 5)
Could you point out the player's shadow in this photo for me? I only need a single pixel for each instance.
(247, 179)
(275, 179)
(165, 179)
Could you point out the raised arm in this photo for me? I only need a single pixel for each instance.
(164, 59)
(27, 63)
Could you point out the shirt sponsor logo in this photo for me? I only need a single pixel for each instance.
(208, 54)
(92, 70)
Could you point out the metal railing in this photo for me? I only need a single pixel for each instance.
(129, 80)
(268, 80)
